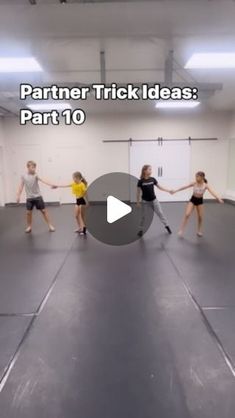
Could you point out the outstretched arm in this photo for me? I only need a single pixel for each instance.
(19, 191)
(45, 182)
(163, 189)
(214, 195)
(184, 187)
(60, 186)
(54, 186)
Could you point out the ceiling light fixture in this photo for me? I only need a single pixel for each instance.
(47, 106)
(177, 104)
(19, 65)
(212, 60)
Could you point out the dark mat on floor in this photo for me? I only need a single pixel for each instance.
(223, 323)
(207, 264)
(12, 330)
(119, 337)
(29, 263)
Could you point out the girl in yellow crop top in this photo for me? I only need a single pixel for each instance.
(79, 189)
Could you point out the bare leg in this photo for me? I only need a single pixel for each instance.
(84, 214)
(199, 219)
(29, 219)
(76, 217)
(47, 220)
(188, 213)
(80, 218)
(84, 217)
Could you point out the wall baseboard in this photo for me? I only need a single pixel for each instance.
(230, 202)
(57, 203)
(229, 195)
(13, 204)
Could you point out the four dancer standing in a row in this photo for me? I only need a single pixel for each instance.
(145, 197)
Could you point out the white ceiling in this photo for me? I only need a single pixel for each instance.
(136, 38)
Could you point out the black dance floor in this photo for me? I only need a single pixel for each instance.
(96, 331)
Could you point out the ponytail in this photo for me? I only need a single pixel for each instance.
(203, 175)
(83, 180)
(78, 175)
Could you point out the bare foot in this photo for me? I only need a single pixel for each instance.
(51, 228)
(28, 230)
(199, 234)
(180, 234)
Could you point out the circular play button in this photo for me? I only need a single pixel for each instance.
(112, 215)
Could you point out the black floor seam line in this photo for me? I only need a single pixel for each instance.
(13, 359)
(210, 329)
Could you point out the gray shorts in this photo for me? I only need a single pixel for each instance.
(37, 202)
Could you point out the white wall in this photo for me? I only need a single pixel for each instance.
(59, 150)
(2, 171)
(230, 193)
(232, 127)
(1, 131)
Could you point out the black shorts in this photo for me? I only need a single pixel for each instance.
(37, 202)
(80, 201)
(196, 200)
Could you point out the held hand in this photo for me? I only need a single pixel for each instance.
(172, 191)
(54, 187)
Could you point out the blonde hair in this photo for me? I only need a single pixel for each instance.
(31, 162)
(144, 169)
(78, 176)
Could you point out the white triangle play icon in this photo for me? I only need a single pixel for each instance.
(116, 209)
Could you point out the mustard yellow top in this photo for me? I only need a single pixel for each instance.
(79, 189)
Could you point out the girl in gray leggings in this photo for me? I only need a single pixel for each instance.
(146, 187)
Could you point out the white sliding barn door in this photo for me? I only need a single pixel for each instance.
(175, 169)
(170, 162)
